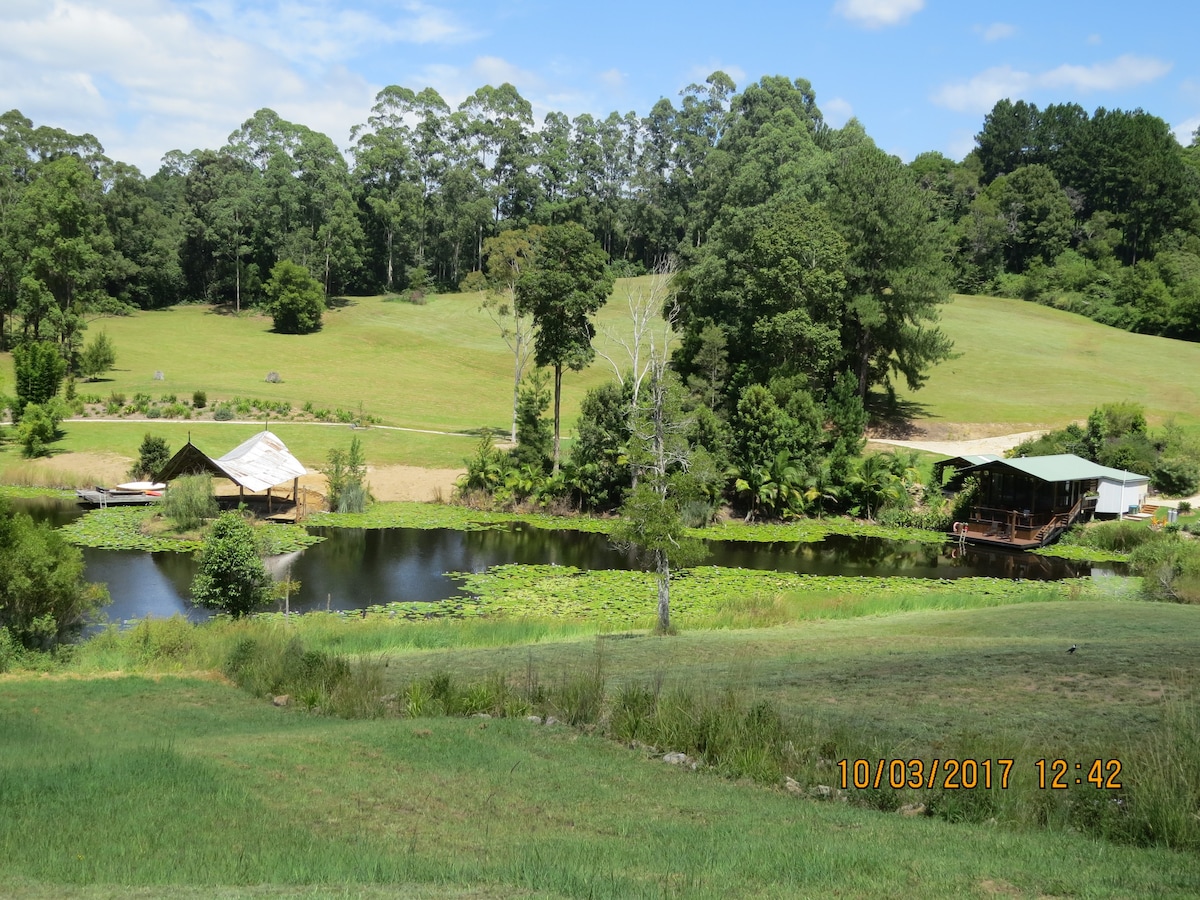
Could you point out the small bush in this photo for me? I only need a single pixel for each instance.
(199, 399)
(1118, 537)
(116, 397)
(154, 412)
(189, 502)
(163, 640)
(223, 413)
(153, 455)
(1170, 568)
(273, 378)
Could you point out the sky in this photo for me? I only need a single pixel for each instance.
(149, 76)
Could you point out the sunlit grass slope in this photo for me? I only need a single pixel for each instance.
(444, 367)
(1022, 364)
(441, 366)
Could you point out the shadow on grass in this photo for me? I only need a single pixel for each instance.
(890, 417)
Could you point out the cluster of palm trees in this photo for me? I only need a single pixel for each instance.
(864, 486)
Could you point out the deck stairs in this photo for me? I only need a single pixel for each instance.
(1147, 511)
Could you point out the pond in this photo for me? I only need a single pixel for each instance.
(356, 568)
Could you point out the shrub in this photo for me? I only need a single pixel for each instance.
(223, 413)
(43, 596)
(116, 398)
(1170, 568)
(153, 455)
(473, 281)
(1176, 477)
(36, 429)
(295, 298)
(346, 472)
(189, 501)
(273, 378)
(39, 369)
(231, 577)
(154, 412)
(199, 399)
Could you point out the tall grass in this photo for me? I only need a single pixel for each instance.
(190, 501)
(33, 475)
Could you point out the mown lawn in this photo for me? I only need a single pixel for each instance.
(1024, 366)
(178, 787)
(443, 367)
(122, 771)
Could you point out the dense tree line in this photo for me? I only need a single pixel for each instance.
(810, 265)
(1098, 214)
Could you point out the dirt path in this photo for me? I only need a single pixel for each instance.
(996, 445)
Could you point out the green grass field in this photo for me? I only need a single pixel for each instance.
(1022, 366)
(177, 787)
(443, 367)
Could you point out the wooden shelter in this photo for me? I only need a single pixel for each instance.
(1028, 502)
(260, 463)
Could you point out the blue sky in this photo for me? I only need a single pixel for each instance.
(149, 76)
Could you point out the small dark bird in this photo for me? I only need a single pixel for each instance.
(1072, 648)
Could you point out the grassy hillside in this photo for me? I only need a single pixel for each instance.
(1022, 365)
(443, 367)
(182, 787)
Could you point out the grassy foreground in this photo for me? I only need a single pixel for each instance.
(186, 788)
(129, 773)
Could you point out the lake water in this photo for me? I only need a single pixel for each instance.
(355, 568)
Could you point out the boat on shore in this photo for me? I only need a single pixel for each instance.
(133, 493)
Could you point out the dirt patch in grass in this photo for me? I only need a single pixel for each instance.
(72, 470)
(391, 483)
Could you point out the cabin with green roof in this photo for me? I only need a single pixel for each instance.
(1028, 502)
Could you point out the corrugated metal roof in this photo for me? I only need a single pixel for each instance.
(261, 462)
(1067, 467)
(978, 459)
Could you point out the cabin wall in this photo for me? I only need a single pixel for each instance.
(1116, 497)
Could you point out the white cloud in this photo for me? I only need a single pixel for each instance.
(307, 30)
(495, 71)
(613, 79)
(1124, 71)
(878, 13)
(837, 112)
(144, 77)
(980, 93)
(997, 31)
(1186, 130)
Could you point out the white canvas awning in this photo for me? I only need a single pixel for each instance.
(260, 462)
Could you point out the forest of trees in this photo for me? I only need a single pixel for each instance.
(1100, 213)
(1096, 214)
(809, 264)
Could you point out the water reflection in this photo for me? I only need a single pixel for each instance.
(355, 568)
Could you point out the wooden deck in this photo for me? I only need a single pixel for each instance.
(982, 534)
